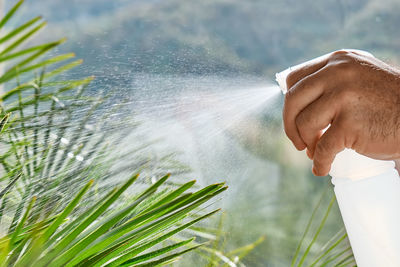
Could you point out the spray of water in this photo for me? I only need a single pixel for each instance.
(212, 105)
(206, 119)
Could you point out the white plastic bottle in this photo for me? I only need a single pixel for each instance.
(368, 194)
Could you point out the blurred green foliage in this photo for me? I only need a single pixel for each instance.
(224, 36)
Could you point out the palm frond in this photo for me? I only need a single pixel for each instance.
(51, 148)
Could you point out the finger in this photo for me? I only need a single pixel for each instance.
(297, 98)
(330, 143)
(305, 69)
(313, 119)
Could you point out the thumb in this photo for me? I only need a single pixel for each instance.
(330, 143)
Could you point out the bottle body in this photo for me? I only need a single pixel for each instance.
(370, 209)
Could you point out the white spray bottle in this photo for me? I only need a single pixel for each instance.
(368, 195)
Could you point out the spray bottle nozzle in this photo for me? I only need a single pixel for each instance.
(280, 78)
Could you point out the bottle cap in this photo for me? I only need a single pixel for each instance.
(350, 164)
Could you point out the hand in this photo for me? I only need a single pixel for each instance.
(357, 95)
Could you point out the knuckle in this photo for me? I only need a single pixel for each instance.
(339, 54)
(343, 62)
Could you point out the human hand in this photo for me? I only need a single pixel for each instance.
(357, 95)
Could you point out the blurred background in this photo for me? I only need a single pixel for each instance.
(199, 75)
